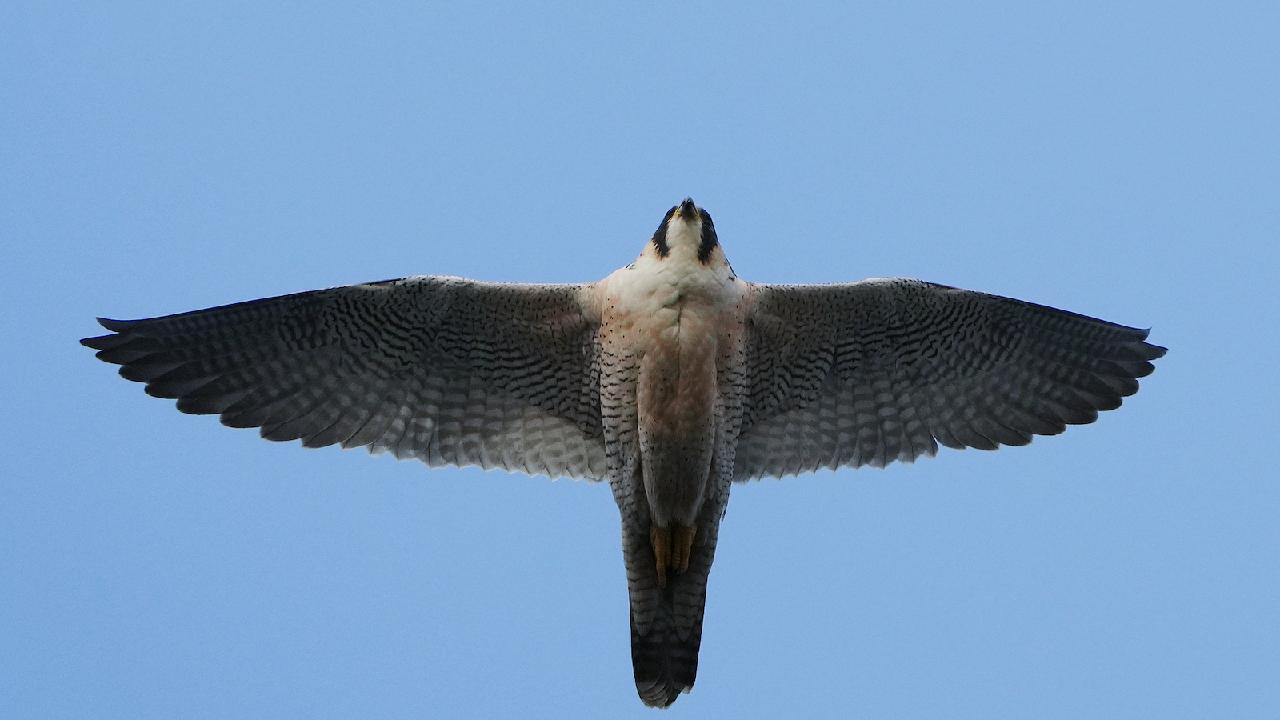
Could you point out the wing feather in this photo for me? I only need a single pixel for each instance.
(445, 370)
(885, 370)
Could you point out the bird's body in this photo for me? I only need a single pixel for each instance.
(671, 378)
(672, 342)
(674, 325)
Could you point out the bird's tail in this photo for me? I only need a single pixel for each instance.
(665, 663)
(666, 623)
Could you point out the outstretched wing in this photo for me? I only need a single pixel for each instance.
(882, 370)
(445, 370)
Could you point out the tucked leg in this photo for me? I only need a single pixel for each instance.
(660, 537)
(682, 546)
(672, 548)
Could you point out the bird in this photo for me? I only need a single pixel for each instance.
(671, 379)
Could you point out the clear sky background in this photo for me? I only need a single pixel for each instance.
(1120, 160)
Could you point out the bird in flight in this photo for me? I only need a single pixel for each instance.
(671, 379)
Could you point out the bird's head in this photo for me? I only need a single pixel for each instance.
(687, 231)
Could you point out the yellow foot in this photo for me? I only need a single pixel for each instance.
(682, 546)
(672, 548)
(661, 540)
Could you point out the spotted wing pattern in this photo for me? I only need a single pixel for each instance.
(882, 370)
(445, 370)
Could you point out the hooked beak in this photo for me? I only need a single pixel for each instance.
(686, 210)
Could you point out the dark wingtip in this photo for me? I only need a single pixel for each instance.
(102, 342)
(115, 325)
(110, 346)
(1154, 350)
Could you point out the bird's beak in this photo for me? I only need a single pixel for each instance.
(687, 210)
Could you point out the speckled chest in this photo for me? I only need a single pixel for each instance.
(670, 323)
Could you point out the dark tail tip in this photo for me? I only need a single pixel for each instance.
(664, 665)
(658, 694)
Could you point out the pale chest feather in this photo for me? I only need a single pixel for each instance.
(671, 318)
(674, 308)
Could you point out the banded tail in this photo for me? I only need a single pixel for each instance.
(666, 623)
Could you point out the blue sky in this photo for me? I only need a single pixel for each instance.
(1119, 160)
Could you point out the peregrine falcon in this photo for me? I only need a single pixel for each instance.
(672, 378)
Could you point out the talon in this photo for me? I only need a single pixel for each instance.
(682, 546)
(660, 538)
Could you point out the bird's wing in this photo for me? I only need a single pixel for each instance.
(881, 370)
(445, 370)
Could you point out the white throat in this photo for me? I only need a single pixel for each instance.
(684, 237)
